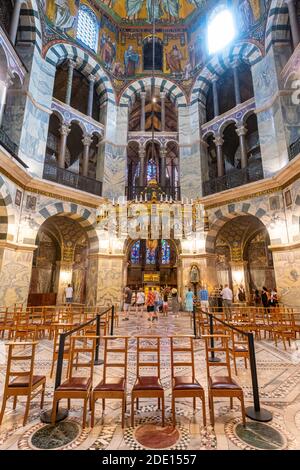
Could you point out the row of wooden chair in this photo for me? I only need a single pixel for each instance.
(112, 386)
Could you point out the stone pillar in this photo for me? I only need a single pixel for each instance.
(92, 79)
(110, 282)
(241, 132)
(143, 116)
(71, 67)
(215, 98)
(286, 260)
(294, 22)
(15, 21)
(142, 154)
(15, 273)
(163, 111)
(4, 87)
(87, 140)
(163, 165)
(218, 140)
(64, 132)
(236, 81)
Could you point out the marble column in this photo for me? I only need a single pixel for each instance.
(163, 111)
(143, 116)
(236, 82)
(64, 132)
(3, 89)
(163, 161)
(87, 140)
(215, 98)
(142, 154)
(71, 67)
(218, 140)
(92, 80)
(294, 22)
(15, 21)
(241, 132)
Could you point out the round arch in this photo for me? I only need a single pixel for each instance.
(173, 90)
(7, 215)
(83, 216)
(59, 52)
(30, 28)
(277, 29)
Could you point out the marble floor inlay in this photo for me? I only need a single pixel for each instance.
(278, 378)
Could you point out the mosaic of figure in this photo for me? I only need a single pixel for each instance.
(131, 61)
(63, 18)
(174, 58)
(155, 8)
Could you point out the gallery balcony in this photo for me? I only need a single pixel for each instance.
(233, 179)
(11, 147)
(67, 178)
(294, 150)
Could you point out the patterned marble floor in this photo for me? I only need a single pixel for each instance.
(279, 380)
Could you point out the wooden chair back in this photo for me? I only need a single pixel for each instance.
(115, 345)
(148, 345)
(82, 355)
(20, 363)
(182, 345)
(221, 347)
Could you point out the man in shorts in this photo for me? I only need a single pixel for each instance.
(127, 302)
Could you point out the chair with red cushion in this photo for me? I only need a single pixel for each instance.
(112, 387)
(185, 386)
(221, 385)
(148, 386)
(82, 357)
(20, 382)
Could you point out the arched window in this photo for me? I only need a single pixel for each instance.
(165, 252)
(135, 253)
(87, 27)
(151, 171)
(221, 29)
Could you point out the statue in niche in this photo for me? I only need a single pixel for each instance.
(194, 275)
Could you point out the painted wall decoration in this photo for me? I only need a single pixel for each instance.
(63, 13)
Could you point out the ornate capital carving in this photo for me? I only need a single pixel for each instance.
(143, 95)
(241, 131)
(65, 129)
(162, 95)
(87, 140)
(218, 140)
(92, 78)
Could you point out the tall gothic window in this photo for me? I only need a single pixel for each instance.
(221, 29)
(135, 253)
(151, 171)
(87, 27)
(165, 252)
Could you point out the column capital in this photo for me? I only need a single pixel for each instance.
(72, 64)
(143, 95)
(241, 130)
(142, 152)
(215, 79)
(87, 140)
(163, 95)
(218, 140)
(92, 78)
(65, 129)
(235, 63)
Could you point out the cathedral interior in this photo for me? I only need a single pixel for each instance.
(150, 146)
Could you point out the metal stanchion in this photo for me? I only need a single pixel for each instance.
(256, 412)
(98, 362)
(194, 323)
(112, 320)
(212, 358)
(61, 413)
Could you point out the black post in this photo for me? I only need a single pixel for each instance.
(61, 414)
(112, 320)
(255, 412)
(194, 322)
(212, 342)
(98, 362)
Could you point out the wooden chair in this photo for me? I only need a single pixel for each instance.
(20, 382)
(186, 386)
(238, 348)
(58, 329)
(77, 387)
(221, 386)
(23, 328)
(112, 387)
(148, 386)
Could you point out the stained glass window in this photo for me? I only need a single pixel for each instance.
(135, 253)
(87, 27)
(165, 252)
(150, 256)
(151, 170)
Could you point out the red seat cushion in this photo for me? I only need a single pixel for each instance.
(76, 383)
(111, 384)
(186, 383)
(148, 383)
(24, 381)
(223, 382)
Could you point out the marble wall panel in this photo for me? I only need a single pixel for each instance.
(15, 277)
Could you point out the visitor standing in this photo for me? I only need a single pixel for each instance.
(227, 297)
(274, 298)
(140, 301)
(69, 294)
(150, 304)
(175, 303)
(127, 302)
(157, 300)
(203, 297)
(257, 298)
(265, 297)
(165, 303)
(189, 300)
(241, 293)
